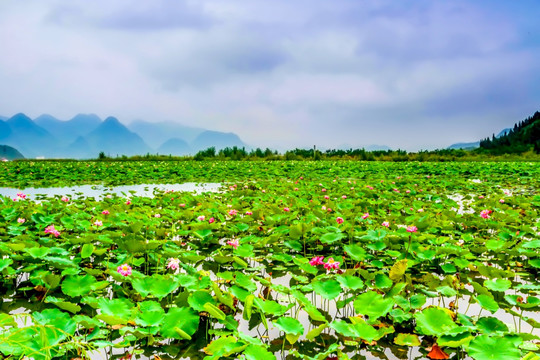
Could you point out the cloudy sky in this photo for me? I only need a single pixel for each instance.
(413, 74)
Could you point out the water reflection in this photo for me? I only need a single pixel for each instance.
(99, 191)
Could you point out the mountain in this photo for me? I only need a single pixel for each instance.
(5, 130)
(3, 118)
(80, 149)
(114, 139)
(9, 153)
(476, 144)
(175, 146)
(68, 131)
(156, 134)
(217, 139)
(465, 146)
(28, 137)
(377, 148)
(524, 136)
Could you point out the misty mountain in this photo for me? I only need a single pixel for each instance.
(217, 139)
(68, 131)
(3, 118)
(9, 153)
(80, 149)
(176, 147)
(26, 136)
(465, 146)
(476, 144)
(114, 139)
(156, 134)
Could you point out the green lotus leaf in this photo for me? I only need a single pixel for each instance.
(257, 352)
(359, 330)
(490, 325)
(498, 284)
(179, 323)
(351, 282)
(487, 347)
(355, 251)
(407, 340)
(330, 238)
(4, 263)
(78, 285)
(150, 313)
(198, 299)
(434, 321)
(156, 285)
(87, 250)
(373, 305)
(456, 340)
(328, 289)
(64, 305)
(120, 308)
(382, 281)
(487, 303)
(289, 325)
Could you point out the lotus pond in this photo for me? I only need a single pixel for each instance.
(288, 260)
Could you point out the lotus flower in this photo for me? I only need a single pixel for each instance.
(211, 220)
(365, 216)
(331, 264)
(485, 213)
(21, 220)
(124, 270)
(317, 260)
(98, 223)
(412, 229)
(105, 212)
(173, 263)
(386, 224)
(51, 230)
(201, 218)
(233, 242)
(339, 220)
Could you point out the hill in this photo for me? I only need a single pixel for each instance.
(9, 153)
(524, 136)
(115, 139)
(22, 133)
(67, 131)
(156, 134)
(175, 146)
(218, 140)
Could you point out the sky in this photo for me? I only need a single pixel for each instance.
(409, 74)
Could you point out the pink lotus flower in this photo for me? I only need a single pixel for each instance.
(480, 196)
(386, 223)
(105, 212)
(233, 212)
(20, 195)
(344, 197)
(211, 220)
(124, 270)
(264, 191)
(323, 207)
(201, 218)
(157, 215)
(182, 205)
(412, 229)
(98, 223)
(21, 220)
(501, 201)
(317, 260)
(326, 197)
(331, 264)
(249, 213)
(365, 216)
(286, 209)
(51, 230)
(329, 209)
(420, 210)
(295, 189)
(173, 263)
(323, 190)
(301, 178)
(407, 191)
(339, 220)
(233, 242)
(128, 202)
(65, 199)
(485, 213)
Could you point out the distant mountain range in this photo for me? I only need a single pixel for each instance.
(476, 144)
(86, 135)
(9, 153)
